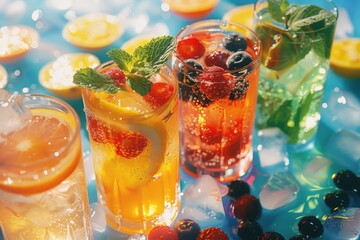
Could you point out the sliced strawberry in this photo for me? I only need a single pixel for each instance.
(212, 233)
(163, 233)
(129, 144)
(159, 94)
(98, 131)
(116, 74)
(190, 48)
(214, 83)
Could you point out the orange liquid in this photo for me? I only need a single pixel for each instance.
(42, 199)
(138, 191)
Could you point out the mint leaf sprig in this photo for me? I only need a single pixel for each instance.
(146, 61)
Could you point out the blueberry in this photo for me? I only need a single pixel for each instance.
(249, 230)
(344, 179)
(189, 72)
(237, 188)
(337, 200)
(310, 226)
(187, 229)
(271, 236)
(238, 60)
(235, 42)
(298, 237)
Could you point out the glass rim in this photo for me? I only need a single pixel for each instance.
(219, 23)
(334, 10)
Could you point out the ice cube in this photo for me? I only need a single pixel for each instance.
(343, 224)
(13, 114)
(98, 220)
(202, 202)
(272, 149)
(344, 149)
(281, 189)
(316, 172)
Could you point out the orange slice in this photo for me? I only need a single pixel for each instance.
(3, 76)
(57, 75)
(243, 15)
(16, 41)
(130, 45)
(191, 9)
(345, 57)
(29, 150)
(93, 31)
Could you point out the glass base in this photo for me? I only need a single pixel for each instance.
(238, 170)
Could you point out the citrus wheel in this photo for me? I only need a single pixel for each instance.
(345, 57)
(191, 9)
(3, 76)
(16, 41)
(93, 31)
(130, 45)
(243, 15)
(57, 75)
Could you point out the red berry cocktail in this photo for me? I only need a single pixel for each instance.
(217, 65)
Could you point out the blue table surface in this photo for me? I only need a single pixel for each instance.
(140, 17)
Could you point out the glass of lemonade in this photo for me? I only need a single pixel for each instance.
(296, 37)
(217, 65)
(134, 144)
(43, 191)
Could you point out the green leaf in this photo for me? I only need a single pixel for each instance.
(277, 9)
(142, 85)
(122, 59)
(89, 78)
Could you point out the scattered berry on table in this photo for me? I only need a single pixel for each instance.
(190, 48)
(337, 200)
(163, 233)
(237, 188)
(249, 230)
(310, 226)
(187, 229)
(271, 236)
(235, 42)
(214, 84)
(212, 233)
(247, 207)
(344, 179)
(238, 60)
(217, 58)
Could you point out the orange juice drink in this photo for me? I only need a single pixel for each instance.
(217, 65)
(134, 143)
(43, 191)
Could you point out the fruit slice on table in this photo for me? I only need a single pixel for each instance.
(16, 41)
(57, 75)
(93, 31)
(192, 9)
(3, 76)
(133, 43)
(345, 57)
(243, 15)
(39, 139)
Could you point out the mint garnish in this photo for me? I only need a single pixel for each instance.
(138, 68)
(277, 9)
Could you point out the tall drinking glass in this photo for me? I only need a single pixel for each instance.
(296, 38)
(43, 191)
(217, 65)
(134, 144)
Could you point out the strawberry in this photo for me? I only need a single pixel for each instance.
(163, 233)
(217, 58)
(159, 94)
(129, 144)
(190, 48)
(214, 84)
(116, 74)
(98, 131)
(212, 233)
(211, 134)
(247, 206)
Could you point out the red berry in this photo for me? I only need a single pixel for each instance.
(214, 84)
(129, 144)
(212, 233)
(163, 233)
(116, 74)
(190, 48)
(247, 207)
(210, 134)
(98, 131)
(159, 94)
(217, 58)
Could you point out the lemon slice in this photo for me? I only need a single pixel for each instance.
(3, 76)
(16, 41)
(57, 75)
(345, 57)
(243, 15)
(93, 31)
(192, 9)
(135, 42)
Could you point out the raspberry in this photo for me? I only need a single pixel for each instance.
(190, 48)
(159, 94)
(129, 144)
(237, 188)
(217, 58)
(98, 131)
(214, 84)
(116, 74)
(187, 229)
(163, 233)
(212, 233)
(247, 207)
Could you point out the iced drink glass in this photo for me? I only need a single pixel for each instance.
(43, 191)
(134, 144)
(217, 65)
(296, 39)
